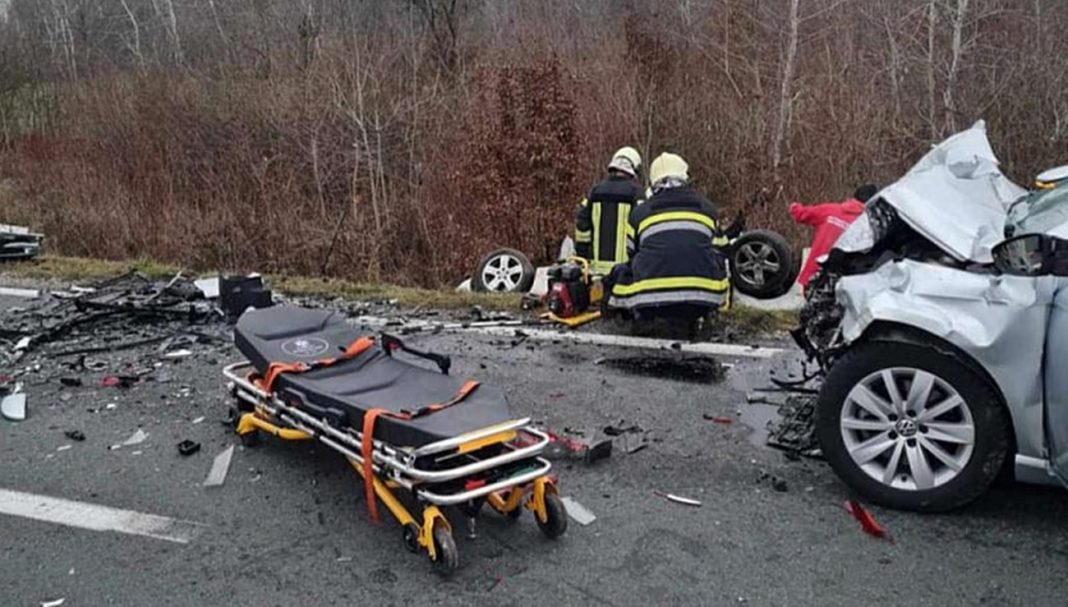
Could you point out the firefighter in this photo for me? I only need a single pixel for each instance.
(675, 267)
(601, 218)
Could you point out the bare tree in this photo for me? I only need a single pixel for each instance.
(786, 98)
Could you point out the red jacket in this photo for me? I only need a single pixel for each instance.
(830, 219)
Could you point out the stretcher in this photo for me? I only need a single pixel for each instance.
(413, 434)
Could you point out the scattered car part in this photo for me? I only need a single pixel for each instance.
(866, 520)
(17, 242)
(13, 406)
(578, 513)
(503, 270)
(75, 435)
(219, 467)
(686, 501)
(763, 265)
(188, 447)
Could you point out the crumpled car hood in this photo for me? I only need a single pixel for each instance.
(955, 196)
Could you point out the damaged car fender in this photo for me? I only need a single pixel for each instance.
(997, 319)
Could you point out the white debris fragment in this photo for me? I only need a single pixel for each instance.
(22, 344)
(136, 438)
(678, 499)
(110, 406)
(198, 420)
(578, 513)
(64, 447)
(208, 286)
(13, 292)
(55, 603)
(177, 354)
(13, 406)
(344, 559)
(219, 468)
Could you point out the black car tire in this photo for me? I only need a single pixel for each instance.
(992, 426)
(769, 247)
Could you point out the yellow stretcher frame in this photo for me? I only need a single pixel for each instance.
(420, 535)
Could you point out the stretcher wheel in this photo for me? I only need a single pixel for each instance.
(555, 517)
(411, 537)
(448, 556)
(252, 439)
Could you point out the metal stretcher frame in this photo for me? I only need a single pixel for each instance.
(397, 464)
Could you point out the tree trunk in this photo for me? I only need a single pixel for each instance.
(785, 95)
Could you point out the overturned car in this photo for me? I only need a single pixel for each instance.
(940, 320)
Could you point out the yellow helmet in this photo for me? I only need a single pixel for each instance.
(668, 165)
(627, 160)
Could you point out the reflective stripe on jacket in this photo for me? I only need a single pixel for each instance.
(674, 259)
(601, 222)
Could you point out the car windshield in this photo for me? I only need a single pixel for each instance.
(1039, 212)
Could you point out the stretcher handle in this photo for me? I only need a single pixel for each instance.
(392, 343)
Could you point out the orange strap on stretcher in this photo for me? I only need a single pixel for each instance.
(274, 370)
(367, 444)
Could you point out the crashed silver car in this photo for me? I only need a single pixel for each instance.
(940, 320)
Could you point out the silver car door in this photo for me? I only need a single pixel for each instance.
(1056, 382)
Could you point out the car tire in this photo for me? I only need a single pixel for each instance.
(849, 433)
(505, 271)
(763, 264)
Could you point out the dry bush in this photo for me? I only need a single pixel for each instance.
(373, 142)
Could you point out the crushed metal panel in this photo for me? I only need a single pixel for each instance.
(1000, 320)
(956, 196)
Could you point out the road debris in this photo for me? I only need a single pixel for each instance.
(219, 467)
(198, 420)
(795, 431)
(54, 603)
(64, 448)
(106, 316)
(75, 435)
(135, 439)
(177, 354)
(578, 513)
(13, 406)
(686, 501)
(718, 419)
(777, 483)
(188, 447)
(620, 429)
(18, 242)
(867, 521)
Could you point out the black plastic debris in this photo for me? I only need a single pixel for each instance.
(70, 382)
(795, 431)
(239, 293)
(188, 447)
(75, 435)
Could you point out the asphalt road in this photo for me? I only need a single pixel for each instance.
(290, 527)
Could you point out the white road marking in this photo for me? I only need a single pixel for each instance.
(95, 517)
(508, 329)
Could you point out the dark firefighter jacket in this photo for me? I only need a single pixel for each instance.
(601, 222)
(674, 254)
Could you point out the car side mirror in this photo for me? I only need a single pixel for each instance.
(1032, 255)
